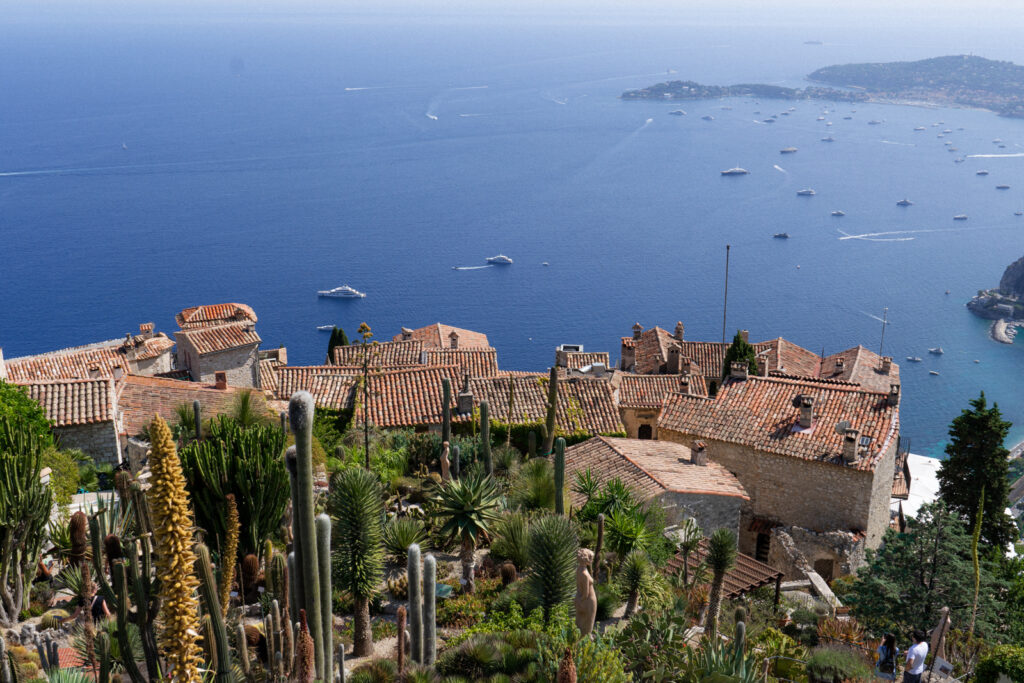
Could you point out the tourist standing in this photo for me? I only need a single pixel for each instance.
(887, 654)
(915, 658)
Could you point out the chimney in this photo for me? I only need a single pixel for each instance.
(806, 411)
(739, 370)
(637, 330)
(762, 366)
(745, 335)
(406, 334)
(146, 329)
(464, 401)
(679, 331)
(685, 366)
(282, 356)
(674, 354)
(598, 369)
(684, 385)
(850, 440)
(699, 454)
(840, 364)
(886, 364)
(453, 339)
(220, 380)
(894, 395)
(94, 372)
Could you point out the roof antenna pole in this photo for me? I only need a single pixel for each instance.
(725, 306)
(885, 321)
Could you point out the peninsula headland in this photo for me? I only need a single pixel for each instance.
(956, 80)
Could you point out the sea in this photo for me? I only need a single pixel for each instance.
(159, 156)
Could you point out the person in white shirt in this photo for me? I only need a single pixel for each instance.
(915, 658)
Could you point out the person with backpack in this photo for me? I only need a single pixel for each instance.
(885, 668)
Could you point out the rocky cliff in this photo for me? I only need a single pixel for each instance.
(1012, 282)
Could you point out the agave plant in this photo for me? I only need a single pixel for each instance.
(552, 547)
(715, 660)
(402, 532)
(80, 642)
(68, 676)
(469, 506)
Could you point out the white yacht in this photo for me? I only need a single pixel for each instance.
(736, 171)
(838, 213)
(937, 351)
(500, 259)
(325, 328)
(343, 292)
(805, 193)
(960, 217)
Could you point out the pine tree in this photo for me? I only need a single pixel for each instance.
(338, 338)
(978, 461)
(740, 350)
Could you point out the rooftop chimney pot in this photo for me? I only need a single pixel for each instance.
(762, 366)
(894, 394)
(453, 337)
(637, 330)
(680, 329)
(745, 335)
(220, 380)
(806, 411)
(850, 442)
(886, 364)
(739, 370)
(699, 454)
(146, 328)
(406, 334)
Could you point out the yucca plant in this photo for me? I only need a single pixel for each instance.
(68, 676)
(469, 506)
(534, 486)
(720, 559)
(689, 536)
(244, 411)
(402, 532)
(638, 579)
(510, 539)
(626, 530)
(356, 504)
(717, 661)
(586, 485)
(551, 550)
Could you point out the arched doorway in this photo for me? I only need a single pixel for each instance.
(645, 432)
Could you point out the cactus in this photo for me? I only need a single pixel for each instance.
(560, 476)
(446, 410)
(208, 591)
(250, 576)
(175, 560)
(415, 605)
(323, 553)
(119, 577)
(740, 641)
(531, 444)
(542, 435)
(242, 648)
(122, 480)
(209, 646)
(293, 593)
(5, 665)
(229, 556)
(197, 418)
(339, 666)
(485, 437)
(308, 579)
(596, 572)
(508, 574)
(277, 578)
(78, 528)
(305, 651)
(552, 406)
(401, 640)
(429, 613)
(566, 668)
(106, 660)
(456, 462)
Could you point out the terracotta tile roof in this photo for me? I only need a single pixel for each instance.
(785, 356)
(650, 468)
(649, 391)
(214, 339)
(437, 336)
(759, 412)
(862, 366)
(652, 351)
(520, 373)
(268, 374)
(74, 401)
(69, 658)
(477, 362)
(393, 353)
(581, 359)
(583, 403)
(707, 357)
(146, 349)
(182, 374)
(74, 363)
(628, 343)
(407, 398)
(746, 575)
(214, 314)
(330, 385)
(142, 397)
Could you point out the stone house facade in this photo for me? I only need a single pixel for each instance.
(640, 397)
(232, 349)
(85, 415)
(816, 457)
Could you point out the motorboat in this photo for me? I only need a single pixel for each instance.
(847, 118)
(1002, 187)
(874, 122)
(821, 118)
(708, 117)
(325, 328)
(781, 235)
(914, 359)
(937, 351)
(805, 193)
(933, 372)
(768, 121)
(736, 171)
(904, 202)
(947, 131)
(828, 139)
(919, 128)
(677, 112)
(982, 172)
(960, 217)
(838, 213)
(343, 292)
(788, 150)
(1018, 213)
(500, 259)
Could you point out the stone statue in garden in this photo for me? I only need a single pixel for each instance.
(586, 597)
(445, 476)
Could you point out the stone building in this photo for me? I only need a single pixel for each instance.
(232, 348)
(85, 415)
(213, 315)
(686, 485)
(441, 336)
(816, 457)
(640, 397)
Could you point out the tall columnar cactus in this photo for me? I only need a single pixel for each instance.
(242, 648)
(740, 641)
(229, 556)
(415, 605)
(446, 410)
(429, 610)
(5, 666)
(401, 614)
(456, 461)
(120, 579)
(197, 417)
(175, 560)
(323, 553)
(485, 437)
(560, 476)
(598, 548)
(531, 444)
(307, 575)
(293, 591)
(211, 605)
(250, 577)
(78, 530)
(552, 405)
(277, 578)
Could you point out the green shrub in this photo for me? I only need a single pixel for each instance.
(1006, 660)
(400, 533)
(832, 663)
(608, 601)
(64, 476)
(534, 486)
(509, 542)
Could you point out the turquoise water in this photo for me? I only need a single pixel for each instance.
(148, 163)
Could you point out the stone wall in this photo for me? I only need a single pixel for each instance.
(795, 552)
(98, 440)
(153, 366)
(804, 493)
(241, 365)
(710, 512)
(632, 418)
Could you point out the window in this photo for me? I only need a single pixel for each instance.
(645, 432)
(764, 544)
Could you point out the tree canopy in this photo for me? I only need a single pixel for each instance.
(16, 404)
(978, 460)
(740, 350)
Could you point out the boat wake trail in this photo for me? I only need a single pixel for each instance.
(875, 317)
(779, 168)
(884, 236)
(369, 87)
(489, 265)
(996, 156)
(901, 144)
